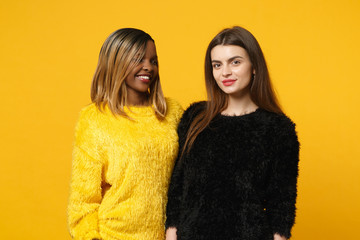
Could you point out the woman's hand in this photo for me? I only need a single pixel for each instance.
(278, 237)
(171, 233)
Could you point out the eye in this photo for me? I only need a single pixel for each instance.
(216, 65)
(236, 62)
(154, 62)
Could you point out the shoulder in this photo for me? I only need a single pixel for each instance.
(193, 110)
(173, 106)
(174, 109)
(196, 106)
(90, 120)
(276, 120)
(88, 110)
(89, 130)
(281, 128)
(90, 114)
(189, 115)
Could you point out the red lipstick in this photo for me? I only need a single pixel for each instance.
(228, 82)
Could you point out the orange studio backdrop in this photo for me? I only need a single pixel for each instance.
(49, 52)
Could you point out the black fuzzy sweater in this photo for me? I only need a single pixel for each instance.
(239, 179)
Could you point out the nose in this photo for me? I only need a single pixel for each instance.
(147, 66)
(226, 70)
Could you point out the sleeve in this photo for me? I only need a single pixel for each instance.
(282, 188)
(85, 188)
(173, 208)
(174, 197)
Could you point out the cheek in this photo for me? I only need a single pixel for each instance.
(243, 72)
(134, 71)
(156, 70)
(129, 79)
(216, 75)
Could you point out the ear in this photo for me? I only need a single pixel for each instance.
(253, 71)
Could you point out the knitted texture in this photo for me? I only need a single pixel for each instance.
(239, 179)
(121, 172)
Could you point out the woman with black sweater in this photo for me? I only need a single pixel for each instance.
(236, 174)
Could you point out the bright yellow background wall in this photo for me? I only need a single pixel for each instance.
(48, 54)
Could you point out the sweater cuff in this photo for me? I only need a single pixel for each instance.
(283, 231)
(170, 226)
(170, 222)
(86, 228)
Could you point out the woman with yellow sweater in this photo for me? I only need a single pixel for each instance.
(125, 146)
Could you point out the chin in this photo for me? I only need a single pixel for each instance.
(228, 92)
(143, 91)
(142, 88)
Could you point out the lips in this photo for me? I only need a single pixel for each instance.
(144, 78)
(228, 82)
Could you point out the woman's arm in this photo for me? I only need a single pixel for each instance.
(282, 188)
(85, 186)
(176, 184)
(85, 196)
(175, 189)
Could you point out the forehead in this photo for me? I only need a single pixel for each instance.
(150, 48)
(224, 52)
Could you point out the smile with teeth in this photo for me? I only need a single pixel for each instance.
(144, 78)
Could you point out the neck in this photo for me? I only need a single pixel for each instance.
(239, 105)
(137, 99)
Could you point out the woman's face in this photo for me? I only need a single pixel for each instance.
(232, 69)
(140, 77)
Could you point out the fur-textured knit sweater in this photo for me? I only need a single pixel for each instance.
(120, 173)
(239, 179)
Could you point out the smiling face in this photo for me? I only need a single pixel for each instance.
(140, 77)
(232, 69)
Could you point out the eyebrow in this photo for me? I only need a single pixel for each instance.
(230, 59)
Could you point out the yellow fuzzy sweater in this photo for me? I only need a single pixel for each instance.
(121, 172)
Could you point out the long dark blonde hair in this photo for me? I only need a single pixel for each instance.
(261, 90)
(119, 54)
